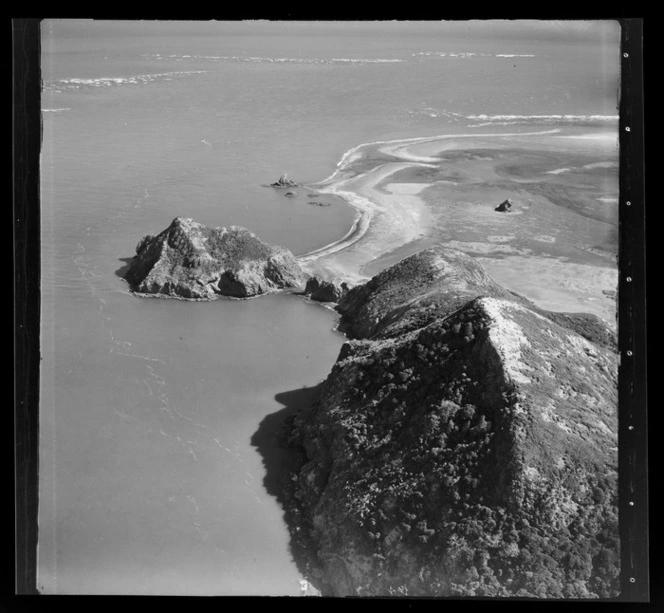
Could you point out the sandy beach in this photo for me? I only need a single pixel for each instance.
(557, 246)
(386, 217)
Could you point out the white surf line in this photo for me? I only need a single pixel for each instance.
(592, 136)
(367, 208)
(346, 240)
(396, 148)
(353, 154)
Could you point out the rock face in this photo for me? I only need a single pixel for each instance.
(190, 260)
(504, 207)
(284, 181)
(325, 291)
(468, 447)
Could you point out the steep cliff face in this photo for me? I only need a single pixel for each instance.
(468, 448)
(190, 260)
(325, 291)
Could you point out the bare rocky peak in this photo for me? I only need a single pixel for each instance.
(191, 260)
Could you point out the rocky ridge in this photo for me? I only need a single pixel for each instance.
(190, 260)
(464, 444)
(432, 283)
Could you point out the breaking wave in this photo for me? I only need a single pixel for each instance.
(542, 118)
(467, 54)
(483, 120)
(271, 60)
(61, 85)
(510, 120)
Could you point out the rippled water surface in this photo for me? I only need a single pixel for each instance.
(152, 475)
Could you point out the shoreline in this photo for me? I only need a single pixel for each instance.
(376, 212)
(394, 148)
(390, 215)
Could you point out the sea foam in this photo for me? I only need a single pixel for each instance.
(470, 54)
(273, 60)
(60, 85)
(509, 120)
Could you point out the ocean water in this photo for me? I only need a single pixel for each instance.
(155, 463)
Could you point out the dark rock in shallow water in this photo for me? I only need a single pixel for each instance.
(290, 194)
(284, 181)
(468, 448)
(504, 207)
(325, 291)
(190, 260)
(320, 203)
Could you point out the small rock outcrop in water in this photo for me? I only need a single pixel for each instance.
(465, 444)
(325, 291)
(190, 260)
(284, 181)
(290, 194)
(504, 207)
(319, 203)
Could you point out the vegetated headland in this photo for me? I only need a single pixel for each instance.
(465, 441)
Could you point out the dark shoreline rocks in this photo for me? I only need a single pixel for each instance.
(190, 260)
(464, 444)
(325, 291)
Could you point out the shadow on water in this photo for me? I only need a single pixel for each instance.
(122, 271)
(280, 460)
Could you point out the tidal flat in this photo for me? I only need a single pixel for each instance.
(556, 246)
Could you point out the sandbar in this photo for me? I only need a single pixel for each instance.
(557, 247)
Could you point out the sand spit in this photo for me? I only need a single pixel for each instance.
(395, 218)
(392, 214)
(388, 218)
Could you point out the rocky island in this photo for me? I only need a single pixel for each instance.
(464, 444)
(190, 260)
(283, 181)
